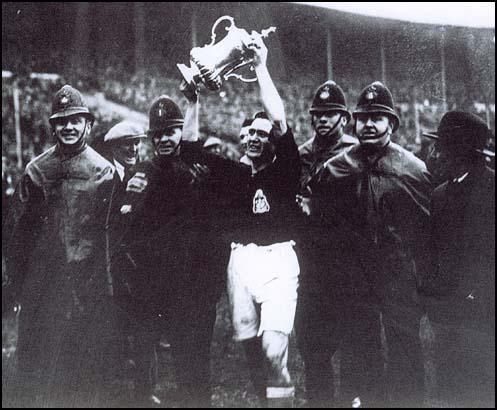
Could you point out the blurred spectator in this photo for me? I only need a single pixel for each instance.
(420, 104)
(214, 145)
(146, 151)
(7, 186)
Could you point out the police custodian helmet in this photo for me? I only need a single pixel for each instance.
(69, 101)
(377, 99)
(329, 97)
(164, 113)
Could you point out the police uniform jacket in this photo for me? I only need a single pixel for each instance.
(387, 201)
(54, 253)
(173, 240)
(313, 156)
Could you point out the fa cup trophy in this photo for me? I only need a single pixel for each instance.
(214, 63)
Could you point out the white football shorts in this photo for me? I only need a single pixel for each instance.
(262, 288)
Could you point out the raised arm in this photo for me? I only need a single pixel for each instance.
(190, 126)
(271, 100)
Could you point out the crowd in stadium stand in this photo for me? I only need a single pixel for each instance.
(222, 112)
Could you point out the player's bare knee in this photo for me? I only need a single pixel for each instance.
(275, 345)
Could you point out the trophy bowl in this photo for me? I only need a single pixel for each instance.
(214, 63)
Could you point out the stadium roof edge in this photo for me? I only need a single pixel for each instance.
(465, 14)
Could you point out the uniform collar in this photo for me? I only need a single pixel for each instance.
(119, 169)
(69, 151)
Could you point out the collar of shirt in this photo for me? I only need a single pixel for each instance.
(119, 169)
(461, 178)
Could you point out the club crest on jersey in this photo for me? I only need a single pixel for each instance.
(260, 205)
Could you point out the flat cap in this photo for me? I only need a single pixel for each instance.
(125, 130)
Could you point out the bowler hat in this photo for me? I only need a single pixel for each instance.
(462, 131)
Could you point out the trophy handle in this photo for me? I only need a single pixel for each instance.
(238, 76)
(213, 32)
(241, 78)
(263, 34)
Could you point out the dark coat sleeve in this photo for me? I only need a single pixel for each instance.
(20, 231)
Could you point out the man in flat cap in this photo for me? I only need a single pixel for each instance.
(124, 139)
(462, 280)
(122, 142)
(67, 340)
(384, 190)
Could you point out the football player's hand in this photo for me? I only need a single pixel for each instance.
(304, 204)
(208, 78)
(190, 91)
(255, 44)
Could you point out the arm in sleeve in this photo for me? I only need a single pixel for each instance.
(21, 229)
(288, 158)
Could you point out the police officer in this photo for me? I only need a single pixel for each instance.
(149, 205)
(461, 283)
(332, 313)
(329, 116)
(384, 191)
(68, 338)
(178, 281)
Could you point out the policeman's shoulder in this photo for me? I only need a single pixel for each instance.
(407, 161)
(345, 163)
(98, 161)
(42, 159)
(306, 147)
(40, 165)
(349, 139)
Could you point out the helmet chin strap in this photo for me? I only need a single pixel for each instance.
(172, 154)
(73, 148)
(334, 129)
(377, 139)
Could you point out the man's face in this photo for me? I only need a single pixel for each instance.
(215, 149)
(167, 141)
(69, 130)
(373, 129)
(126, 151)
(328, 123)
(258, 144)
(244, 134)
(145, 151)
(441, 163)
